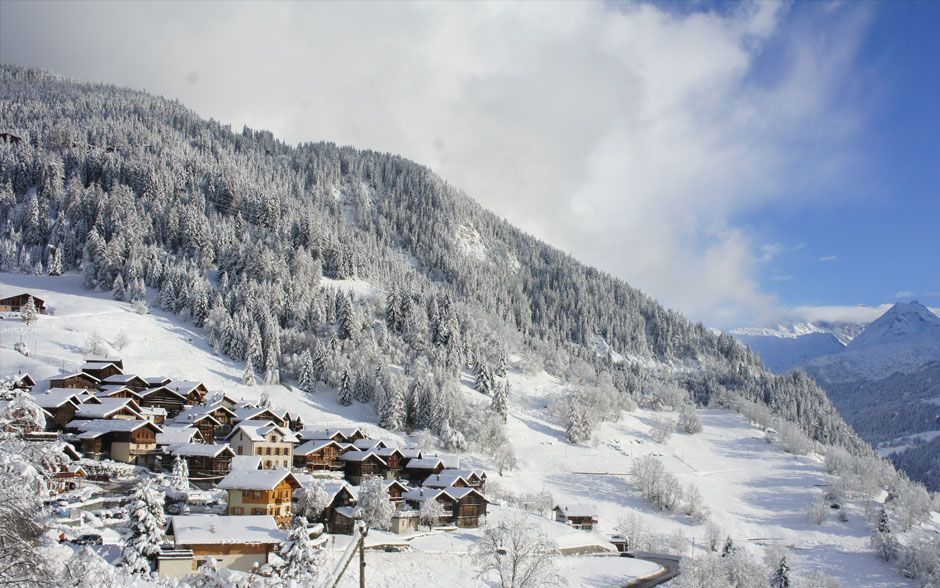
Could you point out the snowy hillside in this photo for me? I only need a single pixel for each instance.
(756, 493)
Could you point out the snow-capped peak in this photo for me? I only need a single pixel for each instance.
(904, 322)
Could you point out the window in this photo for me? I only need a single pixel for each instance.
(237, 510)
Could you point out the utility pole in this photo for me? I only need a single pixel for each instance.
(362, 554)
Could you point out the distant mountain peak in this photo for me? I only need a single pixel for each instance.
(905, 321)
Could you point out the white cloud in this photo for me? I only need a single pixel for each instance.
(827, 258)
(860, 313)
(631, 136)
(903, 294)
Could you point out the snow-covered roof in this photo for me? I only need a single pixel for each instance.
(467, 474)
(246, 462)
(450, 462)
(124, 379)
(115, 360)
(443, 480)
(107, 407)
(162, 390)
(173, 435)
(356, 456)
(248, 413)
(112, 389)
(185, 386)
(386, 452)
(157, 381)
(56, 397)
(199, 449)
(350, 512)
(330, 432)
(427, 463)
(98, 427)
(200, 411)
(411, 453)
(577, 510)
(369, 444)
(97, 365)
(74, 375)
(258, 430)
(256, 479)
(422, 494)
(315, 445)
(203, 529)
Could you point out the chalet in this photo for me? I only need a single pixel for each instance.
(16, 303)
(256, 413)
(225, 417)
(194, 392)
(132, 381)
(358, 465)
(318, 455)
(208, 464)
(207, 425)
(578, 516)
(235, 543)
(101, 369)
(176, 434)
(68, 478)
(446, 480)
(163, 397)
(119, 362)
(24, 382)
(118, 391)
(419, 469)
(365, 444)
(273, 443)
(471, 478)
(121, 440)
(343, 496)
(61, 404)
(154, 414)
(157, 381)
(340, 435)
(110, 408)
(260, 492)
(226, 401)
(393, 460)
(463, 507)
(396, 493)
(410, 453)
(78, 380)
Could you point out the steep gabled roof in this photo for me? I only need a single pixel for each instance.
(199, 450)
(315, 445)
(360, 456)
(56, 397)
(107, 407)
(258, 430)
(257, 479)
(173, 435)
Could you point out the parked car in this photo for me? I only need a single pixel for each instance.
(87, 540)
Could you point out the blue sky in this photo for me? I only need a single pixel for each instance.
(743, 162)
(883, 230)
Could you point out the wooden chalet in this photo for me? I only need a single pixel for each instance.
(78, 380)
(343, 496)
(293, 421)
(418, 470)
(110, 408)
(131, 381)
(463, 507)
(579, 516)
(194, 392)
(121, 440)
(154, 414)
(255, 413)
(16, 303)
(224, 416)
(318, 455)
(260, 492)
(68, 478)
(358, 465)
(396, 493)
(24, 382)
(234, 543)
(164, 397)
(458, 478)
(101, 369)
(393, 461)
(118, 391)
(61, 404)
(340, 435)
(208, 464)
(177, 434)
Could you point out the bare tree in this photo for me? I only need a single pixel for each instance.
(519, 553)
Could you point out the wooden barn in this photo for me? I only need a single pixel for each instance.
(16, 303)
(357, 465)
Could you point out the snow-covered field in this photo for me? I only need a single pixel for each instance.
(755, 492)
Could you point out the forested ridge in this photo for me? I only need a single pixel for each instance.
(237, 230)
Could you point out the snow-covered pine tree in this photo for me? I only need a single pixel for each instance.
(344, 395)
(248, 376)
(578, 427)
(272, 374)
(305, 379)
(781, 575)
(689, 421)
(303, 559)
(484, 381)
(264, 401)
(179, 477)
(431, 512)
(319, 361)
(55, 262)
(313, 500)
(392, 414)
(393, 314)
(346, 324)
(500, 402)
(28, 312)
(882, 538)
(145, 522)
(117, 288)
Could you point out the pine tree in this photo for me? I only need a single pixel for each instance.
(319, 362)
(264, 401)
(305, 379)
(55, 263)
(344, 396)
(500, 401)
(392, 415)
(272, 374)
(578, 425)
(248, 377)
(781, 576)
(28, 312)
(145, 522)
(303, 559)
(393, 314)
(347, 319)
(484, 381)
(117, 288)
(179, 478)
(883, 539)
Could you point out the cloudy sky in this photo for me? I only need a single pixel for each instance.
(743, 163)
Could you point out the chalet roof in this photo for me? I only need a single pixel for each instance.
(36, 299)
(427, 463)
(156, 381)
(386, 452)
(369, 444)
(205, 529)
(330, 432)
(162, 390)
(76, 375)
(577, 510)
(349, 512)
(467, 474)
(246, 462)
(334, 487)
(98, 427)
(253, 413)
(153, 411)
(422, 494)
(98, 365)
(56, 397)
(185, 386)
(443, 480)
(173, 435)
(360, 456)
(107, 407)
(199, 450)
(257, 479)
(411, 453)
(112, 389)
(257, 430)
(450, 462)
(101, 359)
(195, 413)
(24, 378)
(314, 445)
(124, 379)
